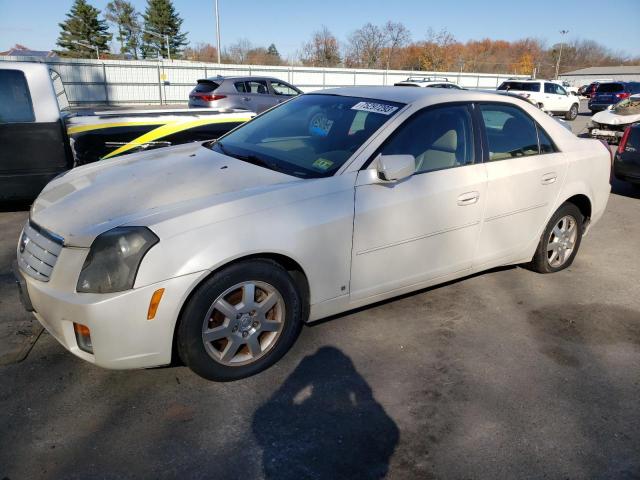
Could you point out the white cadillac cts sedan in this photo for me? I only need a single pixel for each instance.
(221, 250)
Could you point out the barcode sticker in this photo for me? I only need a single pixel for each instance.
(375, 108)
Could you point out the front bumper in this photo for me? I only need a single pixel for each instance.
(121, 335)
(605, 134)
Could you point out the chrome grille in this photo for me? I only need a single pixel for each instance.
(38, 251)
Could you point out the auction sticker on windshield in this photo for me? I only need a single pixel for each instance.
(373, 107)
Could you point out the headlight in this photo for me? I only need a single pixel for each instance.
(114, 258)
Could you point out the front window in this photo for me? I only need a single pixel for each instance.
(310, 136)
(15, 100)
(283, 89)
(438, 138)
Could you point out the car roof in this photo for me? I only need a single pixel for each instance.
(418, 96)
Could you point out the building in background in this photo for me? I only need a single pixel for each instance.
(21, 51)
(585, 76)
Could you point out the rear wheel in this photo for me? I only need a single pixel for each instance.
(572, 113)
(240, 321)
(560, 241)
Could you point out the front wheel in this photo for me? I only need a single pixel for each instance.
(240, 321)
(572, 113)
(560, 241)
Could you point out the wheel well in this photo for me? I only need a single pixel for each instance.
(583, 203)
(293, 267)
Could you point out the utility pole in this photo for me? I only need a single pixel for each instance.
(563, 33)
(218, 30)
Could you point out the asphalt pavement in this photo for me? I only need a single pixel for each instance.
(506, 374)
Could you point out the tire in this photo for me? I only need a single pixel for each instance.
(545, 260)
(244, 335)
(572, 113)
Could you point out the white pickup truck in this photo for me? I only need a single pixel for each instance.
(42, 137)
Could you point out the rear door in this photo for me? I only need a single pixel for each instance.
(33, 150)
(525, 172)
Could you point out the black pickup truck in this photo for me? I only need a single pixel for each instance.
(41, 137)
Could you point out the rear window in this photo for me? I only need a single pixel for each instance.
(610, 88)
(206, 86)
(15, 100)
(522, 86)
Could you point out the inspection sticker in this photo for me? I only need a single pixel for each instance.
(322, 164)
(375, 108)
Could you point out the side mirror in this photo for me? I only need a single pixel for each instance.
(392, 168)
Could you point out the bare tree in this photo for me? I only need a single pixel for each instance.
(397, 36)
(238, 52)
(365, 46)
(322, 50)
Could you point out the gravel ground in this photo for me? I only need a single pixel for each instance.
(506, 374)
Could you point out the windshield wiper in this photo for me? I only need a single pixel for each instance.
(253, 159)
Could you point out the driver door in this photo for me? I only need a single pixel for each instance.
(424, 227)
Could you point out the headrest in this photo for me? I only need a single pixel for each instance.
(447, 142)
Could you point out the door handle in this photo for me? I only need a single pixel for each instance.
(246, 99)
(549, 178)
(468, 198)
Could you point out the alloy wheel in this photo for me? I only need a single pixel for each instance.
(243, 323)
(562, 241)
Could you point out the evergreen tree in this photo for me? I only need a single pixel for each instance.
(160, 17)
(83, 25)
(124, 16)
(273, 56)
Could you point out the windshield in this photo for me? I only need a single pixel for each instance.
(629, 106)
(522, 86)
(310, 136)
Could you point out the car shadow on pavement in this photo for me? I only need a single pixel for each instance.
(324, 422)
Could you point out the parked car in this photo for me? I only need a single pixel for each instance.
(626, 164)
(432, 82)
(256, 94)
(582, 91)
(611, 123)
(334, 200)
(41, 136)
(567, 86)
(549, 96)
(611, 93)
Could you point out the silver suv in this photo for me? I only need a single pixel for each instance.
(249, 93)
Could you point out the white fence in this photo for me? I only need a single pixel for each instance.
(150, 82)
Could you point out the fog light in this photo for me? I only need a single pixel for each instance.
(83, 337)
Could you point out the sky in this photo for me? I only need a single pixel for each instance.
(289, 23)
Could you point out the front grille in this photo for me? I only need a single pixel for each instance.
(38, 251)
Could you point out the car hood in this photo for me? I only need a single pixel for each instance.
(92, 199)
(609, 117)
